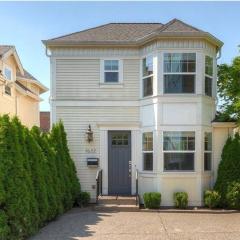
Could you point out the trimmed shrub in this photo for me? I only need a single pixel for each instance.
(233, 195)
(229, 167)
(83, 199)
(211, 199)
(152, 200)
(180, 199)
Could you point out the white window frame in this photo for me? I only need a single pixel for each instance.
(209, 76)
(144, 77)
(148, 151)
(179, 151)
(8, 68)
(178, 73)
(102, 72)
(207, 151)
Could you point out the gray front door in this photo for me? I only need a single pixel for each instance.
(119, 163)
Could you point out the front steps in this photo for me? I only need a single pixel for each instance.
(117, 203)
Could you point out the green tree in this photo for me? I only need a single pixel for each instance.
(229, 89)
(228, 169)
(50, 173)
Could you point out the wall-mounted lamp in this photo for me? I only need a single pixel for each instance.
(89, 134)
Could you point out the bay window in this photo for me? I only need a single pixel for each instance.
(179, 72)
(179, 151)
(147, 76)
(208, 75)
(147, 149)
(208, 151)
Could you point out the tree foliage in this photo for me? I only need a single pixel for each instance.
(229, 89)
(38, 178)
(229, 167)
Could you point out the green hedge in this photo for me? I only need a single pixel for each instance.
(229, 168)
(38, 178)
(211, 199)
(180, 199)
(152, 200)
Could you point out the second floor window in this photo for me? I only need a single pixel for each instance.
(8, 75)
(111, 71)
(208, 75)
(179, 72)
(147, 76)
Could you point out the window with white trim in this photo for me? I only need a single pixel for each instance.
(208, 75)
(147, 149)
(179, 72)
(207, 151)
(179, 151)
(147, 76)
(111, 71)
(8, 75)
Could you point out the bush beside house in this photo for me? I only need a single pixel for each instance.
(152, 200)
(180, 199)
(38, 178)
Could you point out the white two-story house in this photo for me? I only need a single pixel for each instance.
(140, 97)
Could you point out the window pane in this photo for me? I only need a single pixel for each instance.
(8, 73)
(148, 141)
(179, 83)
(207, 161)
(111, 65)
(179, 141)
(120, 139)
(209, 65)
(111, 77)
(208, 86)
(179, 161)
(148, 161)
(8, 90)
(179, 62)
(147, 66)
(147, 86)
(208, 142)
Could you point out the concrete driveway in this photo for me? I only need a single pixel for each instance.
(96, 224)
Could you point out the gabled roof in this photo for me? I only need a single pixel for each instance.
(130, 34)
(7, 50)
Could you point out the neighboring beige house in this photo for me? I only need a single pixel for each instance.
(148, 92)
(19, 90)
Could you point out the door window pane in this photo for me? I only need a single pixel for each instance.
(120, 139)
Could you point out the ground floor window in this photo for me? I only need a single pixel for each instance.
(208, 151)
(147, 149)
(179, 151)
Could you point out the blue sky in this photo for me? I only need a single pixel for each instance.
(25, 24)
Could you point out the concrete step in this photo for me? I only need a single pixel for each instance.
(117, 203)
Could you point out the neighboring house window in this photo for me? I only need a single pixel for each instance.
(208, 75)
(111, 71)
(179, 151)
(147, 76)
(179, 72)
(8, 75)
(147, 148)
(208, 151)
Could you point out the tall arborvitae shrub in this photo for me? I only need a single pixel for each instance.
(229, 167)
(50, 172)
(66, 168)
(37, 163)
(17, 205)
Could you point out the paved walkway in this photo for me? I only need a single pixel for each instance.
(96, 224)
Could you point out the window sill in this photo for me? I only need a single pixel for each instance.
(111, 85)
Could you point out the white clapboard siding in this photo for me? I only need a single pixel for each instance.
(79, 79)
(76, 121)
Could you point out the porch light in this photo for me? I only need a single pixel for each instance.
(89, 134)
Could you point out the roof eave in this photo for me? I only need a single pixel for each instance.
(138, 43)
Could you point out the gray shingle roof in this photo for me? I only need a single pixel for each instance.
(4, 49)
(128, 33)
(26, 75)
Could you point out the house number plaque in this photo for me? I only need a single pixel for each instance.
(90, 150)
